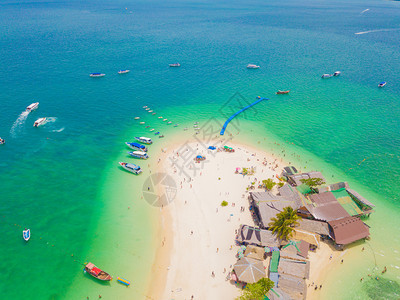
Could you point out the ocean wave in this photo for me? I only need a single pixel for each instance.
(59, 130)
(377, 30)
(19, 124)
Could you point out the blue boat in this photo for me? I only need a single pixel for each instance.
(97, 74)
(136, 146)
(26, 234)
(139, 154)
(157, 133)
(382, 84)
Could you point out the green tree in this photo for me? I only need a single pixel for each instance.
(284, 222)
(312, 182)
(268, 184)
(256, 291)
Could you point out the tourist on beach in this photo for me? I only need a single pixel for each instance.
(341, 261)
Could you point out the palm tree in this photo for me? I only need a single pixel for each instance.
(284, 222)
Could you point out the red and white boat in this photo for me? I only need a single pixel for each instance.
(33, 106)
(40, 122)
(97, 273)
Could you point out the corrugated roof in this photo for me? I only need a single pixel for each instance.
(348, 230)
(323, 198)
(313, 226)
(274, 262)
(277, 294)
(270, 205)
(359, 197)
(329, 211)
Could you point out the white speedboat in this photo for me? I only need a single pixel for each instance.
(137, 118)
(148, 108)
(139, 154)
(40, 122)
(152, 129)
(326, 75)
(97, 75)
(382, 84)
(33, 106)
(144, 140)
(150, 111)
(337, 73)
(175, 65)
(135, 169)
(141, 123)
(251, 66)
(165, 120)
(26, 234)
(123, 71)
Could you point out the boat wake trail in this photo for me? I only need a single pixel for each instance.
(51, 119)
(365, 10)
(377, 30)
(59, 130)
(18, 124)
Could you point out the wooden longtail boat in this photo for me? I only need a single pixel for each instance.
(97, 273)
(282, 92)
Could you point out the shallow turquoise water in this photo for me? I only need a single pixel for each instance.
(61, 180)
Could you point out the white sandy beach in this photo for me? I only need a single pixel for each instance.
(197, 235)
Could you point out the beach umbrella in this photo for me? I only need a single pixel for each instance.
(249, 270)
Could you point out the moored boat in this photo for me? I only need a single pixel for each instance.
(157, 133)
(39, 122)
(153, 114)
(150, 111)
(148, 108)
(2, 141)
(97, 272)
(165, 120)
(135, 169)
(326, 75)
(136, 146)
(139, 154)
(175, 65)
(144, 140)
(252, 66)
(382, 84)
(279, 92)
(26, 234)
(176, 125)
(161, 136)
(123, 71)
(141, 123)
(97, 75)
(337, 73)
(170, 122)
(145, 106)
(32, 106)
(137, 118)
(160, 117)
(148, 126)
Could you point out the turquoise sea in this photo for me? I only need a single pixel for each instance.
(63, 182)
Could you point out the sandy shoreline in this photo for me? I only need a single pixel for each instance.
(197, 235)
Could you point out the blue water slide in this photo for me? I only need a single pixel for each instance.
(259, 99)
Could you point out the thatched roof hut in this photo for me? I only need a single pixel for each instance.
(249, 270)
(300, 269)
